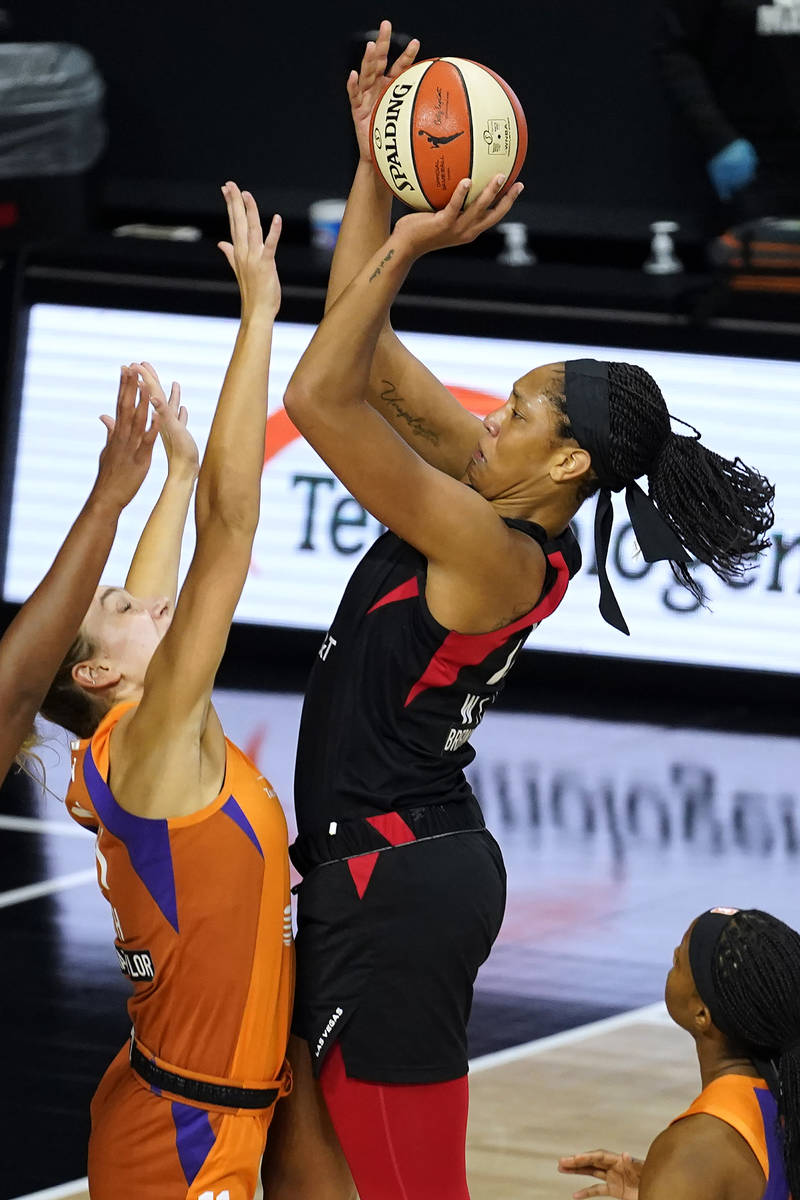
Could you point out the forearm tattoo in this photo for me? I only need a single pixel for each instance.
(381, 265)
(389, 396)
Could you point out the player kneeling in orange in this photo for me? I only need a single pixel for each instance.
(191, 839)
(735, 987)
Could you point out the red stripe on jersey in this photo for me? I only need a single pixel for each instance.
(361, 868)
(404, 591)
(468, 649)
(392, 826)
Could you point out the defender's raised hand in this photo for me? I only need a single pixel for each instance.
(126, 456)
(250, 255)
(181, 448)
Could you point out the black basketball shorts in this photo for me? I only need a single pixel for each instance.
(390, 974)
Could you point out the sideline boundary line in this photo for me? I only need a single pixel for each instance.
(40, 825)
(59, 1192)
(33, 891)
(649, 1012)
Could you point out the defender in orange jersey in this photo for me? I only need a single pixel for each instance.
(191, 840)
(735, 987)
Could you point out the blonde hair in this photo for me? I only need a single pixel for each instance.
(68, 704)
(28, 760)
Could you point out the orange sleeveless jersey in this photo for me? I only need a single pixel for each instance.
(202, 917)
(749, 1107)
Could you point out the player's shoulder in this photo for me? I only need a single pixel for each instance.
(700, 1155)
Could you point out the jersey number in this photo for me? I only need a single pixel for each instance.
(215, 1195)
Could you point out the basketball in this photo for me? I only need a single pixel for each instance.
(441, 121)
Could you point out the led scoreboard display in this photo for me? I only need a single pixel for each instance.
(312, 531)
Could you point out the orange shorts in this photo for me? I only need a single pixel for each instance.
(148, 1147)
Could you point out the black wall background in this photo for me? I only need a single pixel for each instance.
(254, 91)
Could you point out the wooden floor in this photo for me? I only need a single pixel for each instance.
(616, 1088)
(614, 1084)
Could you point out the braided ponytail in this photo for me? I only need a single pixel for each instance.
(720, 509)
(756, 974)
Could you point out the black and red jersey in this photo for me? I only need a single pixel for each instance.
(394, 696)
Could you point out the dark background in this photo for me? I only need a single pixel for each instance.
(200, 93)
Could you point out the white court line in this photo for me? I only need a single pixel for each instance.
(57, 1193)
(650, 1012)
(34, 890)
(39, 825)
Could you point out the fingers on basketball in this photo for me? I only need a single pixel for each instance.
(455, 205)
(405, 59)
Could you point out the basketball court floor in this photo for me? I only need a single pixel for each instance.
(615, 836)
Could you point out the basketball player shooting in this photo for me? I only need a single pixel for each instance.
(393, 930)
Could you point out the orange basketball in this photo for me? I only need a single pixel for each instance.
(443, 120)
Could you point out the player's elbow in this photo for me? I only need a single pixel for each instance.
(300, 396)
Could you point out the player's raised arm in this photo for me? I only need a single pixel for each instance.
(38, 638)
(446, 521)
(401, 388)
(159, 744)
(156, 561)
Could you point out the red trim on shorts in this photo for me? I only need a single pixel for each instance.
(392, 826)
(361, 868)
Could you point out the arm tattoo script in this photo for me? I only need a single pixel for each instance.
(381, 265)
(395, 402)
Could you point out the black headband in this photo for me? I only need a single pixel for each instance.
(586, 391)
(703, 941)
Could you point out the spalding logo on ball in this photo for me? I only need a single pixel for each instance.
(442, 121)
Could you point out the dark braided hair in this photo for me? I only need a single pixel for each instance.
(68, 704)
(720, 509)
(756, 973)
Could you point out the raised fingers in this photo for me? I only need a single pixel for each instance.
(149, 375)
(227, 250)
(405, 58)
(273, 237)
(140, 414)
(255, 237)
(237, 215)
(175, 398)
(372, 64)
(382, 44)
(126, 397)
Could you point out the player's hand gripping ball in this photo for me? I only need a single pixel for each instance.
(444, 120)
